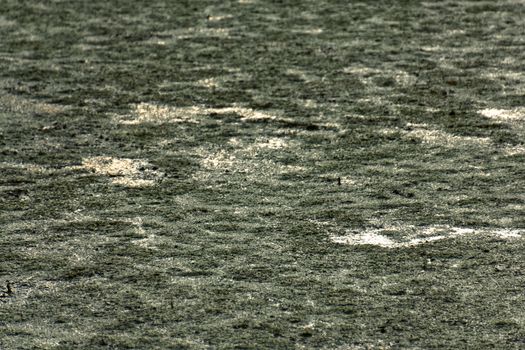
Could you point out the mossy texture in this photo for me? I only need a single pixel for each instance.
(260, 174)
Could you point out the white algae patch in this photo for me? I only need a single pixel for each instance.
(400, 236)
(123, 171)
(504, 115)
(152, 113)
(362, 71)
(147, 240)
(251, 159)
(365, 238)
(513, 118)
(218, 18)
(307, 30)
(113, 166)
(514, 150)
(433, 136)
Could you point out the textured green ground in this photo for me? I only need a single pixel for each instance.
(169, 174)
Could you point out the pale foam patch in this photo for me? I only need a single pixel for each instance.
(220, 81)
(218, 18)
(110, 166)
(132, 182)
(123, 171)
(156, 41)
(309, 103)
(505, 74)
(221, 160)
(308, 31)
(455, 32)
(514, 118)
(435, 48)
(272, 143)
(508, 233)
(432, 109)
(210, 82)
(96, 39)
(374, 100)
(365, 238)
(404, 78)
(504, 115)
(152, 113)
(147, 239)
(252, 159)
(400, 236)
(388, 131)
(375, 345)
(514, 150)
(198, 32)
(451, 49)
(362, 71)
(261, 145)
(433, 136)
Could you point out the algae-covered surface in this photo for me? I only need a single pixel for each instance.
(262, 174)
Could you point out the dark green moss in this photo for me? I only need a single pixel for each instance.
(372, 122)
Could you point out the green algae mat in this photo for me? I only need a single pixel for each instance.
(262, 174)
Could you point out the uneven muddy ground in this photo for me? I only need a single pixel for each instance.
(262, 174)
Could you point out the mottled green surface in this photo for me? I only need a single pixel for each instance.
(169, 174)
